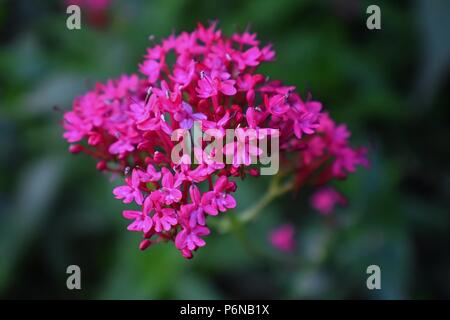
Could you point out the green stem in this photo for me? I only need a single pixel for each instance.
(274, 191)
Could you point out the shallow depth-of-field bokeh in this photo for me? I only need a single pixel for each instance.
(391, 87)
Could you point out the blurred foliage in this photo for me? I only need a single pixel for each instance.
(391, 86)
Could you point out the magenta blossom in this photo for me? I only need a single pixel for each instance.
(130, 191)
(142, 220)
(190, 238)
(169, 190)
(243, 149)
(126, 124)
(208, 87)
(152, 69)
(164, 219)
(193, 213)
(186, 117)
(218, 199)
(149, 175)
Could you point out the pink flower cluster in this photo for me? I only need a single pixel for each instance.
(126, 124)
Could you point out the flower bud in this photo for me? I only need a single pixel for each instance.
(101, 165)
(76, 148)
(94, 139)
(234, 172)
(231, 186)
(186, 253)
(254, 172)
(144, 244)
(258, 78)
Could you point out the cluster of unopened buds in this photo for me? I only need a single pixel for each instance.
(205, 78)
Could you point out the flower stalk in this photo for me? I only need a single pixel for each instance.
(275, 190)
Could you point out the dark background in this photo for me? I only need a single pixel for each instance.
(391, 86)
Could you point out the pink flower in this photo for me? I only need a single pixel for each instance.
(249, 58)
(155, 123)
(169, 190)
(184, 74)
(194, 211)
(190, 238)
(267, 54)
(218, 199)
(246, 38)
(208, 161)
(158, 52)
(151, 68)
(121, 147)
(282, 238)
(76, 128)
(142, 221)
(346, 161)
(169, 100)
(207, 35)
(219, 126)
(198, 174)
(306, 120)
(130, 191)
(248, 81)
(186, 117)
(254, 117)
(305, 123)
(149, 175)
(277, 104)
(164, 219)
(315, 149)
(141, 111)
(211, 87)
(243, 149)
(326, 199)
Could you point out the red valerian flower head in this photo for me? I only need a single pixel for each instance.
(127, 125)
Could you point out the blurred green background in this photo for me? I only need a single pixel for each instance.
(391, 86)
